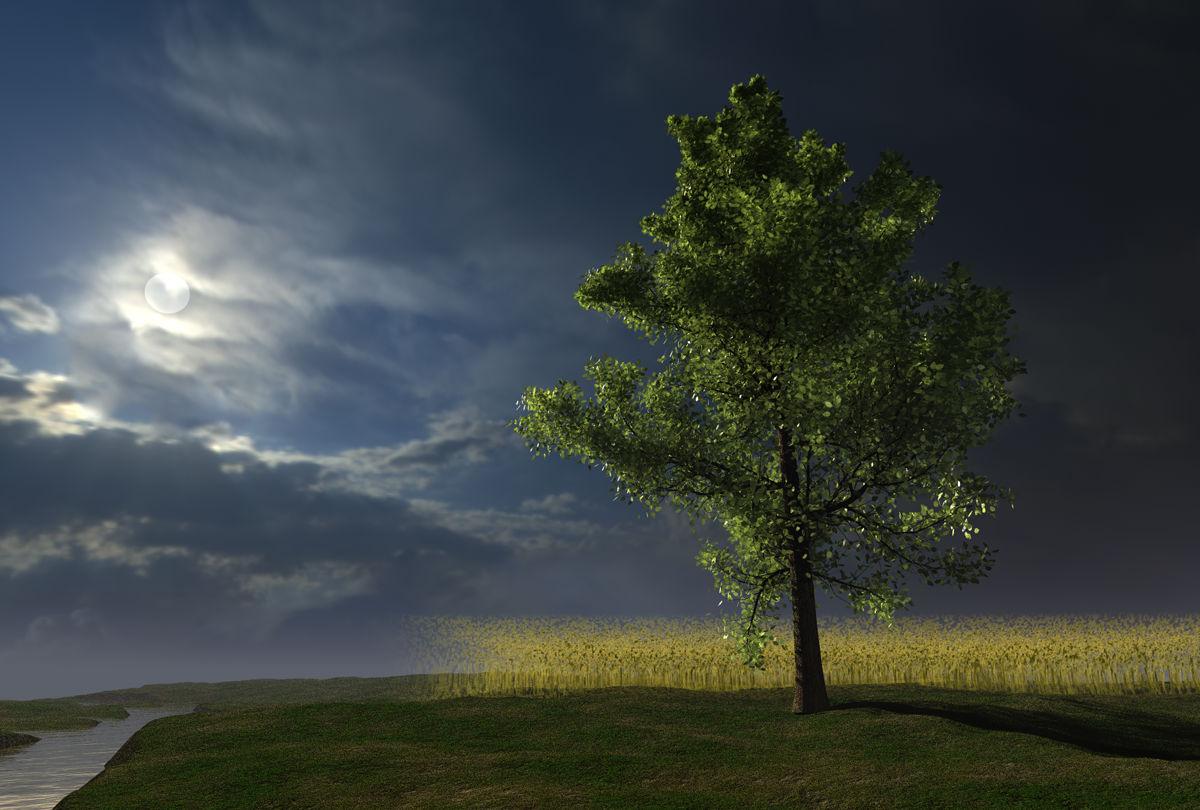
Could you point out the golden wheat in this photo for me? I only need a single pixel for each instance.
(1048, 654)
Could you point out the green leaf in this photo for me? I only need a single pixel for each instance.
(778, 297)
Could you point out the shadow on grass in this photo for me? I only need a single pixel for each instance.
(1099, 727)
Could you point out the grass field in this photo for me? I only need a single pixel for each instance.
(266, 692)
(881, 746)
(1047, 654)
(1038, 712)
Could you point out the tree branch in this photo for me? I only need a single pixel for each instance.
(897, 552)
(843, 583)
(883, 527)
(758, 596)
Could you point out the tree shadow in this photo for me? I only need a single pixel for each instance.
(1102, 727)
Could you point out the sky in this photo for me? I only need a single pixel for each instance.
(383, 211)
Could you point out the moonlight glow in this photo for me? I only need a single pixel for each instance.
(167, 293)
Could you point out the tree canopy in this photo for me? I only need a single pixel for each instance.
(799, 340)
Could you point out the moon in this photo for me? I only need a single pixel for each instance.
(167, 293)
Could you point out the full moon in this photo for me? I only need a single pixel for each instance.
(167, 293)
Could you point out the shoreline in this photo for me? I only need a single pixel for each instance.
(10, 740)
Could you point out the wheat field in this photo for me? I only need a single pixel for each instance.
(1042, 654)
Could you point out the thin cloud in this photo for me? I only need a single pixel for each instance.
(240, 346)
(28, 313)
(559, 504)
(39, 406)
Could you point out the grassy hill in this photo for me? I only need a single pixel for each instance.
(48, 715)
(264, 692)
(881, 746)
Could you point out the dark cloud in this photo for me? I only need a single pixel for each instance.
(111, 540)
(187, 495)
(14, 389)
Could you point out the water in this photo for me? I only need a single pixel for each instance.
(36, 777)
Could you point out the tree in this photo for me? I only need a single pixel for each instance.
(817, 398)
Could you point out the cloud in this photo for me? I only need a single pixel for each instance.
(376, 129)
(168, 533)
(559, 504)
(54, 431)
(346, 226)
(266, 532)
(460, 439)
(262, 539)
(515, 530)
(24, 550)
(51, 433)
(313, 585)
(71, 627)
(310, 204)
(28, 313)
(47, 401)
(255, 318)
(14, 389)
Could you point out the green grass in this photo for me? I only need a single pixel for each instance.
(269, 692)
(881, 746)
(48, 715)
(10, 739)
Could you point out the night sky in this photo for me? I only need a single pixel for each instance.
(383, 214)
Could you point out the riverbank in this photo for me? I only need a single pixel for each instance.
(269, 691)
(10, 739)
(62, 761)
(49, 715)
(880, 746)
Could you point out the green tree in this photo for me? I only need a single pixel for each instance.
(817, 398)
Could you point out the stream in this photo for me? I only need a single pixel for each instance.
(38, 776)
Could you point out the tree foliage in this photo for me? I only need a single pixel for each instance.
(789, 309)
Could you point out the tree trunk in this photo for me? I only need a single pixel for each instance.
(810, 695)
